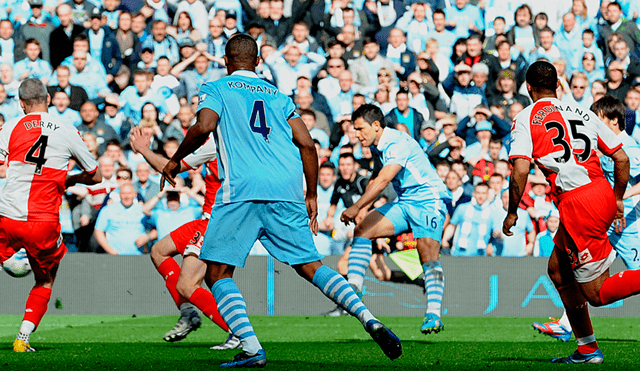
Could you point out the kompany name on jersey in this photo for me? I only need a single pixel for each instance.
(542, 113)
(40, 124)
(251, 88)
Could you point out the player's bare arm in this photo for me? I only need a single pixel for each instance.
(374, 187)
(84, 178)
(196, 136)
(140, 142)
(303, 141)
(516, 189)
(621, 174)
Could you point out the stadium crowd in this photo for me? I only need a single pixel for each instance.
(450, 73)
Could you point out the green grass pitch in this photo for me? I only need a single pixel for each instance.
(308, 343)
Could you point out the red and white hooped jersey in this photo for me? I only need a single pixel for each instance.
(37, 149)
(562, 139)
(206, 154)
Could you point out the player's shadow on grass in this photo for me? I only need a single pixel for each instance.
(617, 340)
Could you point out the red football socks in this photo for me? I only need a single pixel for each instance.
(204, 300)
(37, 304)
(619, 286)
(170, 271)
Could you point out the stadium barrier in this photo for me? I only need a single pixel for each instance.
(101, 284)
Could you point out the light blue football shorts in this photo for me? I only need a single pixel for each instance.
(627, 246)
(424, 218)
(282, 228)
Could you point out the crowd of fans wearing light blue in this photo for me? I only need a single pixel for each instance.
(450, 73)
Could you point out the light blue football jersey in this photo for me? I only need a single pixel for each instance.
(418, 179)
(257, 159)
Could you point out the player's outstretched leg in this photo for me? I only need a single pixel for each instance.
(434, 285)
(558, 328)
(359, 259)
(234, 311)
(36, 307)
(336, 288)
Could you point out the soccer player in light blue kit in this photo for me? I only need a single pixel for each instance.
(420, 206)
(626, 244)
(263, 150)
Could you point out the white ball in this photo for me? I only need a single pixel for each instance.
(17, 265)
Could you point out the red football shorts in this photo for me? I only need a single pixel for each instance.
(42, 240)
(188, 238)
(586, 213)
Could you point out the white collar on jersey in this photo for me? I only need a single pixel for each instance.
(245, 73)
(383, 139)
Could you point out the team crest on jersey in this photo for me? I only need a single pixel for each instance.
(585, 256)
(392, 154)
(201, 98)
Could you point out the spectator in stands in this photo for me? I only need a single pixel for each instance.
(454, 185)
(445, 39)
(475, 54)
(472, 225)
(464, 96)
(62, 37)
(192, 79)
(144, 186)
(161, 43)
(103, 45)
(167, 218)
(416, 25)
(544, 241)
(482, 148)
(403, 114)
(547, 49)
(9, 107)
(82, 75)
(61, 110)
(632, 101)
(134, 97)
(466, 18)
(617, 86)
(521, 243)
(32, 66)
(7, 79)
(277, 25)
(618, 24)
(114, 118)
(326, 180)
(179, 127)
(305, 101)
(119, 229)
(190, 16)
(518, 66)
(91, 123)
(403, 59)
(622, 53)
(341, 104)
(81, 10)
(309, 118)
(92, 144)
(38, 27)
(598, 89)
(524, 35)
(588, 46)
(365, 68)
(287, 66)
(536, 200)
(580, 94)
(507, 94)
(139, 26)
(111, 13)
(589, 68)
(76, 94)
(569, 36)
(216, 41)
(432, 60)
(330, 86)
(128, 41)
(352, 44)
(300, 37)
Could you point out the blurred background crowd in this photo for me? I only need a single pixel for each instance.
(450, 73)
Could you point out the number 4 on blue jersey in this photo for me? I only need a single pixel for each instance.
(258, 117)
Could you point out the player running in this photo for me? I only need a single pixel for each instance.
(419, 206)
(264, 149)
(626, 244)
(37, 149)
(185, 285)
(562, 139)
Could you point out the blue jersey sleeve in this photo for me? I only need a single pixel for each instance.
(396, 154)
(457, 215)
(290, 109)
(210, 98)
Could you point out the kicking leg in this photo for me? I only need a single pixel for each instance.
(429, 251)
(162, 254)
(336, 288)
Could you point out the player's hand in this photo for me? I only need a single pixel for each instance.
(139, 140)
(169, 173)
(509, 222)
(312, 211)
(350, 214)
(619, 222)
